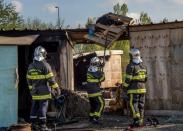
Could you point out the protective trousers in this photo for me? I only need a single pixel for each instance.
(97, 104)
(137, 102)
(38, 111)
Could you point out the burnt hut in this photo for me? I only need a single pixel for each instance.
(161, 49)
(16, 53)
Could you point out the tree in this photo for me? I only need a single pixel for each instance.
(165, 20)
(124, 9)
(79, 26)
(9, 18)
(90, 21)
(35, 23)
(144, 18)
(117, 8)
(120, 9)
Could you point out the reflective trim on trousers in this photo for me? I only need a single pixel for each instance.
(41, 118)
(102, 106)
(94, 94)
(135, 114)
(98, 114)
(33, 117)
(136, 91)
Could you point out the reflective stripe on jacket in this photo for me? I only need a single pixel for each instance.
(136, 76)
(40, 79)
(94, 80)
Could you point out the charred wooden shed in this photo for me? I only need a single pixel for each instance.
(112, 68)
(161, 49)
(16, 48)
(160, 44)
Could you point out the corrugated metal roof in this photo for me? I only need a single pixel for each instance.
(18, 40)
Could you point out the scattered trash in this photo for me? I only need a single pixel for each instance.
(151, 121)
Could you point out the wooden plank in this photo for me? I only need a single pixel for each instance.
(21, 40)
(111, 28)
(95, 39)
(102, 40)
(66, 65)
(109, 37)
(124, 19)
(63, 63)
(70, 67)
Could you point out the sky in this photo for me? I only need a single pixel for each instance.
(76, 12)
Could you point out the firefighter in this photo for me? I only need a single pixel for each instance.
(134, 86)
(41, 82)
(94, 78)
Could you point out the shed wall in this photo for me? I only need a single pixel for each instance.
(162, 53)
(66, 65)
(8, 86)
(112, 71)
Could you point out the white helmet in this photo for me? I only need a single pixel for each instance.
(94, 64)
(40, 53)
(95, 61)
(135, 55)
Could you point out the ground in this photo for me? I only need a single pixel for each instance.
(120, 123)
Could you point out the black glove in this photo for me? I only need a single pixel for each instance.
(58, 91)
(118, 84)
(102, 64)
(124, 94)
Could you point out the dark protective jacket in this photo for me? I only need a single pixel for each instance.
(94, 80)
(40, 80)
(136, 76)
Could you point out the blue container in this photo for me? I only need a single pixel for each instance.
(91, 30)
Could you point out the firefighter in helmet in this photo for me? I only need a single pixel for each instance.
(94, 78)
(41, 82)
(134, 85)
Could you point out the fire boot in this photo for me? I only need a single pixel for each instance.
(34, 124)
(35, 127)
(43, 127)
(96, 121)
(135, 123)
(141, 122)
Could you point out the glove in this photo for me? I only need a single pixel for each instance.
(58, 92)
(118, 84)
(124, 94)
(102, 64)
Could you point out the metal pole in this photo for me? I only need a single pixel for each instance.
(58, 16)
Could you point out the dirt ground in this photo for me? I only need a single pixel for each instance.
(120, 123)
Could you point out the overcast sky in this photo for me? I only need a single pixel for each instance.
(76, 12)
